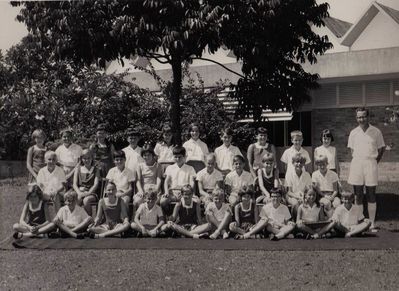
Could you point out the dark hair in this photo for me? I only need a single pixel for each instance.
(317, 193)
(363, 109)
(326, 133)
(298, 157)
(147, 149)
(227, 131)
(261, 130)
(194, 124)
(119, 154)
(110, 183)
(276, 191)
(244, 190)
(101, 126)
(238, 157)
(35, 189)
(179, 150)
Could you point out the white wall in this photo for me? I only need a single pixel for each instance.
(332, 38)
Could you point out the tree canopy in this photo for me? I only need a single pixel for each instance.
(271, 38)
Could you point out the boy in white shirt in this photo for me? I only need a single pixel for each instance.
(226, 152)
(133, 151)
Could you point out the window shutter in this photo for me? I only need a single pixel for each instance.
(377, 92)
(350, 94)
(325, 96)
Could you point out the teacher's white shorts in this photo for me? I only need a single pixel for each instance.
(363, 172)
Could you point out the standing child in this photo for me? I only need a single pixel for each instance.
(86, 180)
(164, 148)
(102, 151)
(186, 218)
(244, 214)
(115, 212)
(348, 220)
(208, 179)
(133, 151)
(34, 215)
(196, 149)
(326, 149)
(226, 152)
(149, 218)
(268, 178)
(218, 214)
(237, 179)
(68, 155)
(122, 177)
(296, 148)
(51, 180)
(257, 150)
(35, 158)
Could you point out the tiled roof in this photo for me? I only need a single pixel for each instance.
(338, 27)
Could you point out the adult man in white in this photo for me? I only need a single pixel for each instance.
(367, 146)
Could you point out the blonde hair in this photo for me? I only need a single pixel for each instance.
(38, 132)
(50, 154)
(268, 157)
(71, 194)
(321, 159)
(296, 133)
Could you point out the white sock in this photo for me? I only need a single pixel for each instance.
(372, 211)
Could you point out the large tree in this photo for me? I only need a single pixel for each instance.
(270, 37)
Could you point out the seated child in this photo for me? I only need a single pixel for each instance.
(348, 220)
(326, 183)
(218, 214)
(122, 177)
(34, 215)
(72, 220)
(208, 179)
(244, 214)
(51, 180)
(177, 175)
(226, 152)
(186, 217)
(268, 178)
(149, 218)
(297, 182)
(310, 213)
(237, 179)
(115, 212)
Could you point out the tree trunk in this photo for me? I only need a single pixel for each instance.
(175, 95)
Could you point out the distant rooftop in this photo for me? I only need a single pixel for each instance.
(391, 12)
(338, 27)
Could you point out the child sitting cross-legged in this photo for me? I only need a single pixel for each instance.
(186, 218)
(347, 219)
(311, 218)
(218, 214)
(244, 214)
(149, 218)
(114, 210)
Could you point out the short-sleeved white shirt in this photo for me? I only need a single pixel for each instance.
(164, 152)
(133, 158)
(329, 152)
(180, 176)
(309, 214)
(281, 214)
(300, 183)
(209, 181)
(50, 182)
(236, 182)
(219, 214)
(149, 216)
(225, 156)
(347, 217)
(71, 219)
(289, 154)
(68, 157)
(149, 174)
(122, 179)
(325, 183)
(196, 150)
(365, 145)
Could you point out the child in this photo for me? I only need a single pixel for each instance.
(71, 219)
(348, 220)
(244, 214)
(35, 158)
(257, 150)
(326, 182)
(297, 182)
(218, 214)
(115, 212)
(196, 149)
(149, 174)
(68, 155)
(187, 214)
(177, 175)
(310, 214)
(208, 179)
(133, 151)
(86, 180)
(149, 218)
(237, 179)
(34, 214)
(164, 148)
(102, 151)
(268, 178)
(122, 177)
(51, 180)
(226, 152)
(296, 148)
(326, 149)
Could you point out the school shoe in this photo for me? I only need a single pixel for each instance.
(273, 237)
(55, 234)
(80, 236)
(17, 235)
(92, 235)
(373, 228)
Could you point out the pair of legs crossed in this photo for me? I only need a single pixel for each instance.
(194, 231)
(354, 229)
(219, 227)
(315, 232)
(105, 230)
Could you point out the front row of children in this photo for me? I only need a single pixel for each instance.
(274, 218)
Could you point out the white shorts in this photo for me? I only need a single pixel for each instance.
(363, 172)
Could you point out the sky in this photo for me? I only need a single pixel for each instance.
(11, 31)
